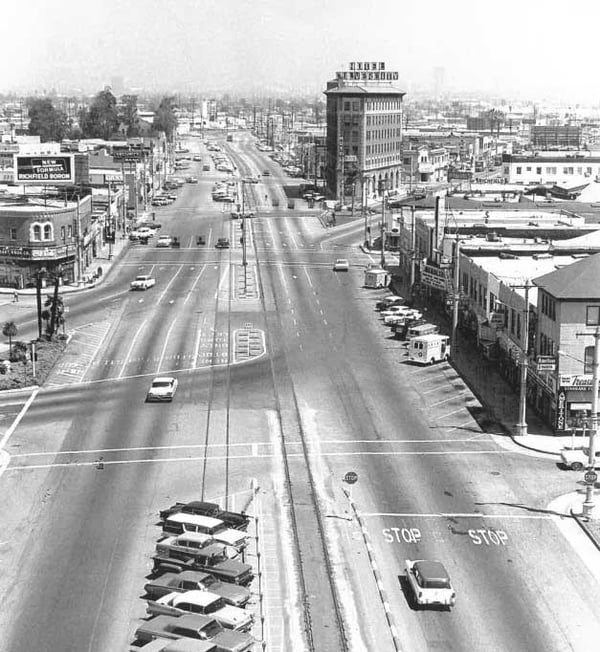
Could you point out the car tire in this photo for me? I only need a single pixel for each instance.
(576, 466)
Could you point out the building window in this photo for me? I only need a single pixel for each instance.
(356, 105)
(62, 233)
(538, 170)
(13, 233)
(588, 360)
(518, 170)
(592, 316)
(70, 231)
(48, 235)
(346, 106)
(36, 232)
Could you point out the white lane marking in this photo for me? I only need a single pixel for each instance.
(209, 237)
(449, 414)
(95, 353)
(222, 280)
(197, 343)
(189, 458)
(539, 517)
(160, 298)
(308, 276)
(162, 353)
(238, 444)
(7, 435)
(450, 398)
(133, 341)
(189, 294)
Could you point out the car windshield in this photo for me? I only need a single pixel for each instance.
(212, 629)
(161, 383)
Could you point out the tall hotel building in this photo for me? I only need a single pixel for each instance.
(364, 130)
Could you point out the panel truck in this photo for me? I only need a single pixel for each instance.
(428, 349)
(430, 583)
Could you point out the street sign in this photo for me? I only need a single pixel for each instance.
(590, 477)
(351, 477)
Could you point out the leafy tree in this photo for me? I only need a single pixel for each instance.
(46, 121)
(164, 117)
(9, 330)
(102, 118)
(128, 115)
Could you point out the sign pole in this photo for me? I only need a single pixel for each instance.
(588, 505)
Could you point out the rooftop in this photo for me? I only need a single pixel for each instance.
(578, 281)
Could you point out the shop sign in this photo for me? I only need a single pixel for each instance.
(561, 404)
(546, 363)
(582, 382)
(7, 250)
(434, 277)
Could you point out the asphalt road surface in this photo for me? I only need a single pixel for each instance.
(287, 362)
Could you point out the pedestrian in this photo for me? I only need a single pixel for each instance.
(16, 296)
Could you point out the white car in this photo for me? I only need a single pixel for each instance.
(204, 603)
(395, 310)
(577, 459)
(164, 241)
(142, 282)
(400, 318)
(163, 388)
(430, 583)
(341, 265)
(142, 232)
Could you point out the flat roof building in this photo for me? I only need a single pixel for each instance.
(364, 131)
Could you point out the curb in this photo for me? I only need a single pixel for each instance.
(583, 525)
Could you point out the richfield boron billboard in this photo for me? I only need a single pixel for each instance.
(44, 169)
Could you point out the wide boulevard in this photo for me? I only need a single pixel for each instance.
(287, 381)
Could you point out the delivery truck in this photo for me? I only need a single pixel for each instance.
(429, 349)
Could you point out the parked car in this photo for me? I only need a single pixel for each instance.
(235, 520)
(211, 559)
(177, 645)
(142, 282)
(251, 180)
(194, 626)
(197, 158)
(204, 603)
(191, 180)
(200, 240)
(430, 583)
(266, 173)
(222, 243)
(191, 580)
(182, 523)
(152, 225)
(395, 310)
(163, 388)
(341, 265)
(577, 459)
(402, 317)
(389, 301)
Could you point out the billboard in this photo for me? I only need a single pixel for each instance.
(44, 169)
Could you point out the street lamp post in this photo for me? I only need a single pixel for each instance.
(244, 261)
(522, 423)
(588, 504)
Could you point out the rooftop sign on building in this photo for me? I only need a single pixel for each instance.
(49, 170)
(367, 71)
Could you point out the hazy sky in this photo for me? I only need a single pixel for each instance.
(533, 48)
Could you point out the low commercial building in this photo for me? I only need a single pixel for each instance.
(571, 168)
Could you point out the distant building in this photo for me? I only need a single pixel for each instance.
(364, 131)
(550, 137)
(557, 167)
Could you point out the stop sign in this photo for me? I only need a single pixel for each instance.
(590, 477)
(351, 477)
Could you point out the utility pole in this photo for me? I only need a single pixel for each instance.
(383, 230)
(522, 424)
(456, 294)
(588, 504)
(413, 247)
(78, 243)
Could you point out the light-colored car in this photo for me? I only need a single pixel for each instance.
(204, 603)
(142, 282)
(391, 320)
(164, 241)
(341, 265)
(251, 180)
(577, 459)
(395, 310)
(163, 388)
(430, 583)
(142, 232)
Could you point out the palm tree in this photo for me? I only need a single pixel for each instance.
(9, 330)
